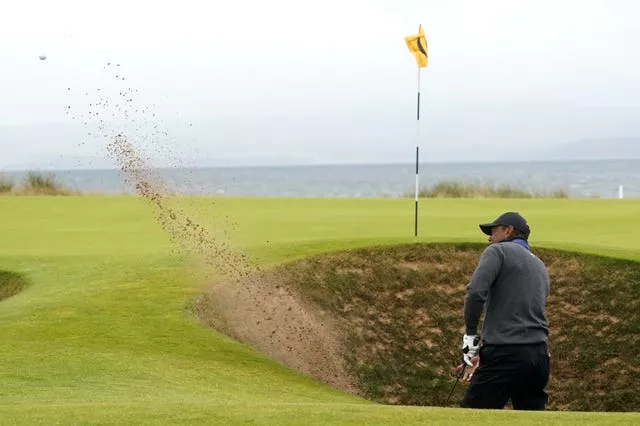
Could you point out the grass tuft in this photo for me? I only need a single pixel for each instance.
(38, 183)
(11, 284)
(6, 184)
(455, 189)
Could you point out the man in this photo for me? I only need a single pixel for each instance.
(511, 285)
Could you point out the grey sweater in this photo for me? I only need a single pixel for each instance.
(514, 285)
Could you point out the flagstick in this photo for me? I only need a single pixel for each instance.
(415, 229)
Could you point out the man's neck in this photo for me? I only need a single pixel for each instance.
(524, 243)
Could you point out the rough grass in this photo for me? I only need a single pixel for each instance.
(400, 314)
(455, 189)
(38, 183)
(6, 184)
(34, 183)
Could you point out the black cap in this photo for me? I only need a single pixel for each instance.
(509, 218)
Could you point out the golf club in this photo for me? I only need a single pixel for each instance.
(458, 376)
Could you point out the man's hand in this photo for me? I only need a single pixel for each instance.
(465, 372)
(470, 347)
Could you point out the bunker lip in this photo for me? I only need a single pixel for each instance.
(384, 323)
(11, 283)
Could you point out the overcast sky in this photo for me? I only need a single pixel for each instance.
(315, 81)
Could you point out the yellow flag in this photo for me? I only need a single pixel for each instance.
(417, 45)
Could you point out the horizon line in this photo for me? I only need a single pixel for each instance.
(10, 169)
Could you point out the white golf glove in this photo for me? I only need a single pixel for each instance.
(470, 347)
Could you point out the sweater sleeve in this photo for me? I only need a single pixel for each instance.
(482, 279)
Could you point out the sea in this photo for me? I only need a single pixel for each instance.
(580, 179)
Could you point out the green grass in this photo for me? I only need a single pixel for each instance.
(103, 333)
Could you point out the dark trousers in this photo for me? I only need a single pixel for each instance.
(516, 372)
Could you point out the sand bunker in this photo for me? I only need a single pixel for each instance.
(277, 322)
(385, 323)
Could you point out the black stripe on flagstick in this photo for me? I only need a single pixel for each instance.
(421, 48)
(417, 151)
(418, 108)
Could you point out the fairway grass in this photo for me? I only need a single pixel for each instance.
(297, 414)
(103, 332)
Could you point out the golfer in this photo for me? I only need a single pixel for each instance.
(510, 358)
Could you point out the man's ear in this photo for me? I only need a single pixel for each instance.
(512, 231)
